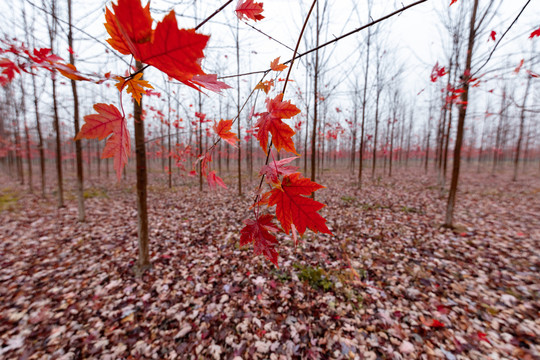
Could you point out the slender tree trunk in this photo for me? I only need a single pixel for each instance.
(169, 140)
(461, 121)
(521, 127)
(376, 135)
(238, 109)
(17, 140)
(27, 136)
(391, 147)
(56, 120)
(78, 147)
(143, 262)
(364, 103)
(200, 143)
(315, 103)
(40, 138)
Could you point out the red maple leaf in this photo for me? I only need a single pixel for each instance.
(492, 35)
(107, 121)
(214, 180)
(437, 72)
(223, 129)
(535, 33)
(210, 82)
(273, 170)
(9, 68)
(271, 122)
(176, 52)
(293, 208)
(259, 232)
(249, 9)
(452, 2)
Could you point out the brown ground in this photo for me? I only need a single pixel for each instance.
(391, 283)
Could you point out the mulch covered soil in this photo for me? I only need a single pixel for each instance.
(391, 284)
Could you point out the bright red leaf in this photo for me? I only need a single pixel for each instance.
(271, 122)
(492, 35)
(437, 72)
(273, 170)
(535, 33)
(176, 52)
(107, 121)
(214, 180)
(259, 232)
(294, 208)
(249, 10)
(223, 129)
(210, 82)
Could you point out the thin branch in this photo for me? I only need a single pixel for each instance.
(271, 38)
(283, 92)
(338, 38)
(214, 14)
(500, 39)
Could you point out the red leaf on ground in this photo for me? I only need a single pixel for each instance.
(434, 323)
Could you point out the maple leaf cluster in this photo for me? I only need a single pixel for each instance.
(437, 72)
(27, 60)
(294, 210)
(176, 52)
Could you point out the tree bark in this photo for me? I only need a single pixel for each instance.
(143, 262)
(521, 127)
(461, 121)
(78, 147)
(315, 103)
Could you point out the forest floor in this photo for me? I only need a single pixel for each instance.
(391, 284)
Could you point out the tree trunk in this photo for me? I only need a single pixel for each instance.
(461, 121)
(315, 103)
(78, 147)
(521, 127)
(27, 136)
(364, 103)
(143, 262)
(238, 109)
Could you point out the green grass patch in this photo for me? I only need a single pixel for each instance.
(316, 277)
(8, 200)
(95, 193)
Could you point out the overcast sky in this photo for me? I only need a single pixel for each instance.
(414, 42)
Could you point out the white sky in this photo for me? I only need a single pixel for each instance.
(414, 40)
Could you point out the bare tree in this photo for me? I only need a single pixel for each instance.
(78, 147)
